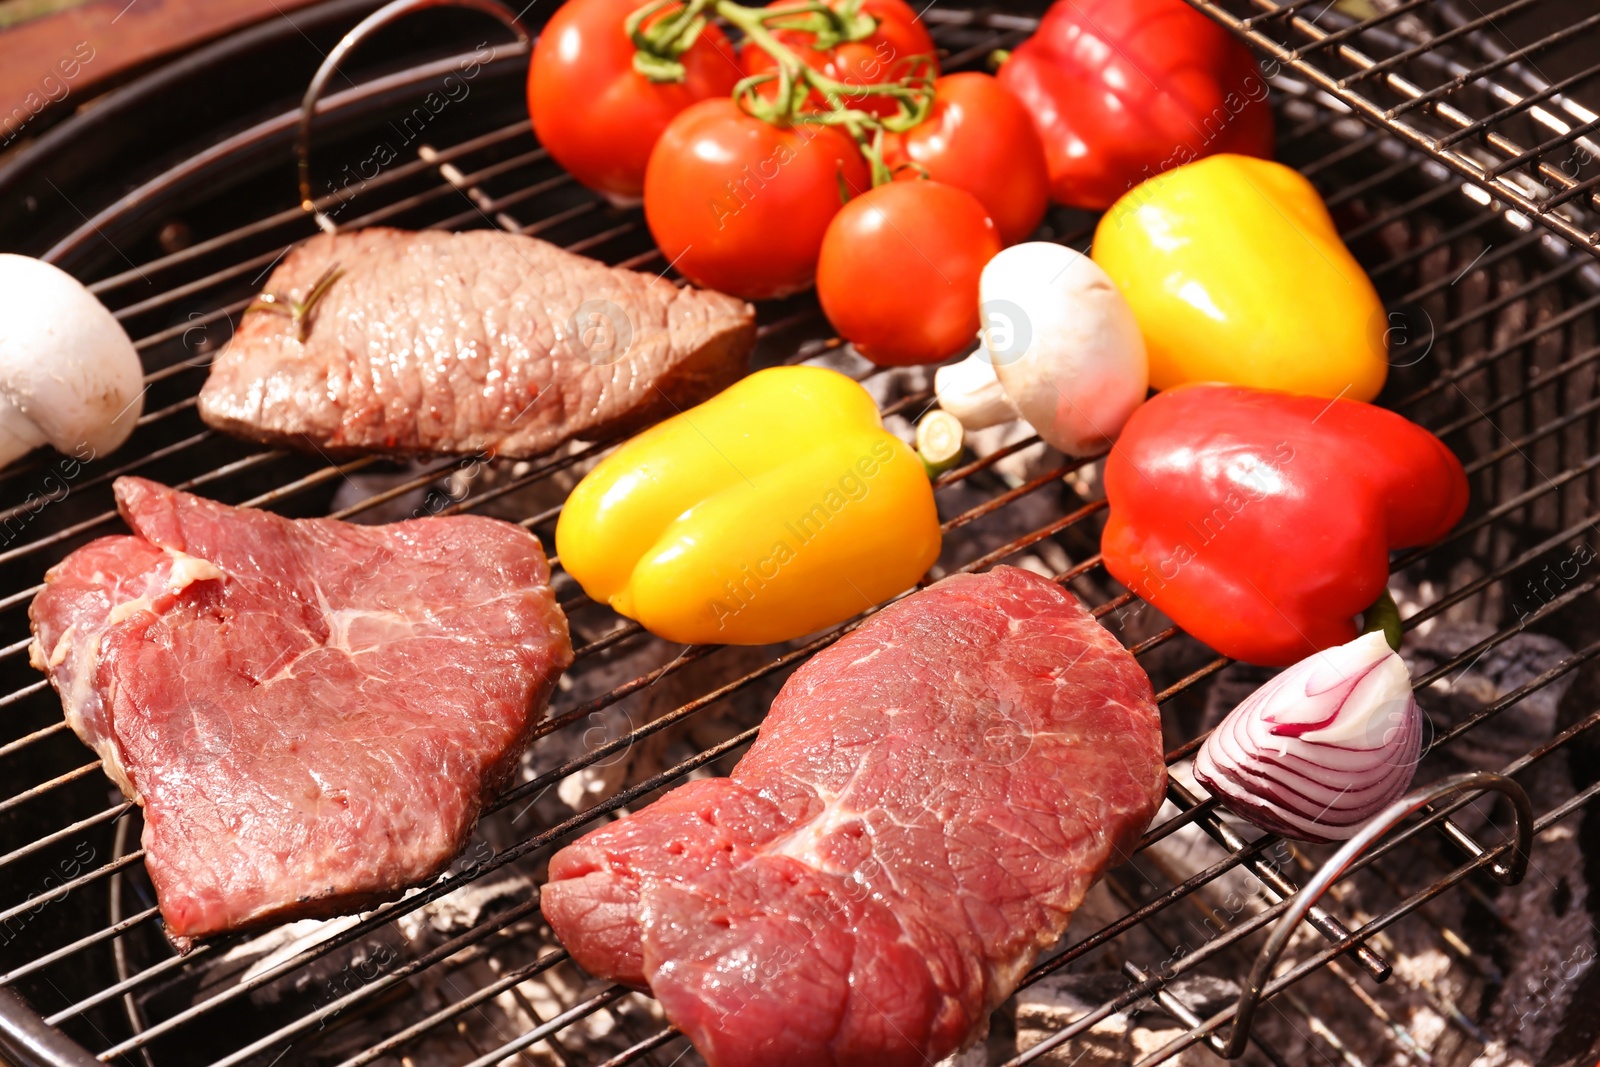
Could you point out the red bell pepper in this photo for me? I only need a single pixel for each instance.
(1123, 90)
(1261, 522)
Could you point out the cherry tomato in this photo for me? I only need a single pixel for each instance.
(740, 205)
(595, 114)
(1122, 90)
(979, 138)
(892, 51)
(899, 271)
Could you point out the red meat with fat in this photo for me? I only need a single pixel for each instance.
(311, 713)
(927, 804)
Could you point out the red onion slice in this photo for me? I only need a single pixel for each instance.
(1322, 747)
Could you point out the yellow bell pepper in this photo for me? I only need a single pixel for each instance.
(1236, 274)
(779, 507)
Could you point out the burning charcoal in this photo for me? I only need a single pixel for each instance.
(1233, 684)
(1145, 1041)
(648, 756)
(1468, 689)
(1061, 999)
(465, 908)
(976, 1056)
(315, 984)
(1030, 462)
(1549, 984)
(1205, 995)
(347, 968)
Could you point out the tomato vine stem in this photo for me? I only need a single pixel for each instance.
(660, 45)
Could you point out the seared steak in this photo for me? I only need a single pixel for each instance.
(927, 804)
(311, 713)
(466, 342)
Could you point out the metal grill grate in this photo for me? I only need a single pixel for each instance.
(1446, 77)
(1502, 314)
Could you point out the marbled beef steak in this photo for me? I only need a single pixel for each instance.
(312, 713)
(467, 342)
(927, 804)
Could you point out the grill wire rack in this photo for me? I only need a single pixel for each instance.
(1494, 318)
(1487, 110)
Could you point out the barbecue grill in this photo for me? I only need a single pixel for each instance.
(1439, 145)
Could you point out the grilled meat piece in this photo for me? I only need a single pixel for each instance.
(383, 340)
(312, 713)
(927, 804)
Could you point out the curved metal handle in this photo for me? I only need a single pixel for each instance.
(1509, 873)
(366, 27)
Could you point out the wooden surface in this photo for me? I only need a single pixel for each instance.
(52, 51)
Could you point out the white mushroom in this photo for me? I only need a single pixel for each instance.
(69, 376)
(1060, 349)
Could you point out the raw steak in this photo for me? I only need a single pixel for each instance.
(311, 713)
(468, 342)
(927, 804)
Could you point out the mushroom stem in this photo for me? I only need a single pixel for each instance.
(971, 392)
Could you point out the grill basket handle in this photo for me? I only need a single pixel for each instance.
(1509, 872)
(380, 18)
